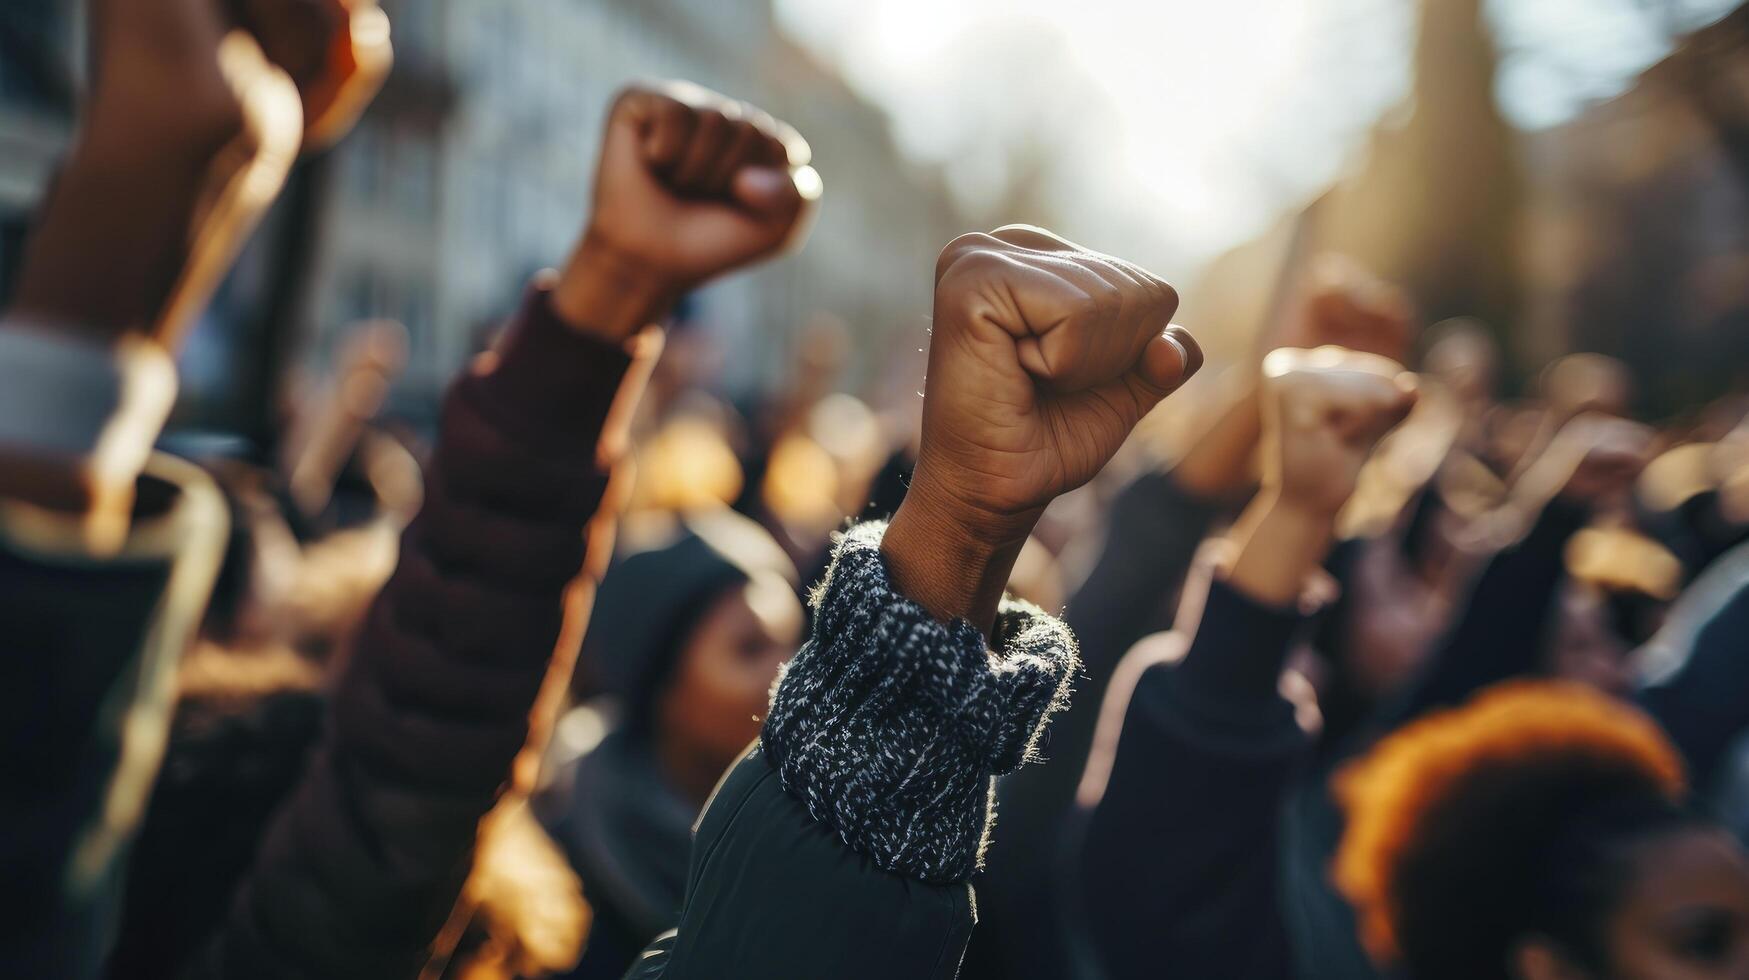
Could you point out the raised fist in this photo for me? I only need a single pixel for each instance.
(1323, 411)
(690, 185)
(337, 52)
(1347, 306)
(1043, 356)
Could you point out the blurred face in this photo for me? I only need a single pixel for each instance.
(1685, 915)
(722, 682)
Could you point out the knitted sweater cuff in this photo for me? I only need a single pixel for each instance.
(890, 725)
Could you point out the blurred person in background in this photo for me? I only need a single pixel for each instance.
(1153, 530)
(1542, 831)
(188, 131)
(689, 631)
(1176, 861)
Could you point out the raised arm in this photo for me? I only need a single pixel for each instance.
(842, 844)
(1503, 626)
(1176, 859)
(445, 683)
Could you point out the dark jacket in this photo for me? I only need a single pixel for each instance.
(1151, 538)
(361, 866)
(843, 844)
(85, 693)
(1501, 631)
(1177, 869)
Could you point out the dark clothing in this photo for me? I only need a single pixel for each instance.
(626, 833)
(1697, 683)
(1177, 870)
(1504, 627)
(1501, 632)
(231, 762)
(772, 892)
(85, 694)
(842, 846)
(1152, 536)
(360, 868)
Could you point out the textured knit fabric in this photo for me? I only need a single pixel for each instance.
(890, 725)
(363, 863)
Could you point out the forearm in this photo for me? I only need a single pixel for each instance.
(1177, 860)
(1502, 628)
(926, 712)
(435, 703)
(954, 567)
(1222, 461)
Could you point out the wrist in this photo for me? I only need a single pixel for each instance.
(953, 563)
(608, 294)
(1282, 541)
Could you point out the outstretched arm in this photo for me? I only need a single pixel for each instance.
(865, 807)
(445, 684)
(1176, 854)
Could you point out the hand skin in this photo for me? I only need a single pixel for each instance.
(184, 142)
(1347, 307)
(690, 185)
(1323, 412)
(1043, 357)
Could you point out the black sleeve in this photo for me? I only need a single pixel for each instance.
(1177, 858)
(1700, 694)
(1151, 539)
(843, 845)
(86, 687)
(1504, 627)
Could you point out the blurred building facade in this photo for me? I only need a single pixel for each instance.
(437, 210)
(1637, 232)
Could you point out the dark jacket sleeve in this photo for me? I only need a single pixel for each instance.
(86, 687)
(1503, 628)
(843, 844)
(1177, 869)
(1151, 539)
(1698, 666)
(360, 867)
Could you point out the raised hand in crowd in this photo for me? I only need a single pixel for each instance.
(462, 659)
(1043, 357)
(1346, 307)
(108, 552)
(920, 683)
(690, 185)
(1323, 412)
(1183, 792)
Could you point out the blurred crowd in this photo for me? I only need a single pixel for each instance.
(1057, 656)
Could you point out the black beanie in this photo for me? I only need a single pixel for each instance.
(651, 599)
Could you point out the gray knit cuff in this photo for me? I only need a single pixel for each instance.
(890, 725)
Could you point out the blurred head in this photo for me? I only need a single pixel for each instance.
(720, 686)
(1539, 833)
(688, 632)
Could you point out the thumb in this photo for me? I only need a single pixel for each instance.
(774, 191)
(1168, 360)
(1166, 363)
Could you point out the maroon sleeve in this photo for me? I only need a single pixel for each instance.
(360, 867)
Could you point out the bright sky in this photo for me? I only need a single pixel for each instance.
(1176, 128)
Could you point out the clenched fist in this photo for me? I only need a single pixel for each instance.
(1042, 358)
(1350, 307)
(690, 185)
(1324, 410)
